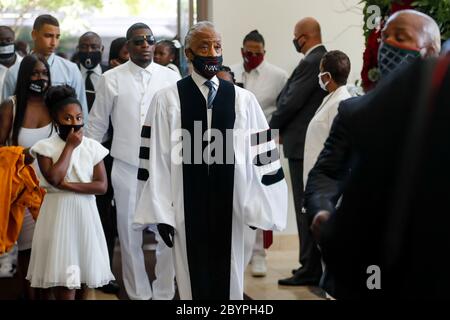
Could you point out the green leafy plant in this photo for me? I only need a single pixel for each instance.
(439, 10)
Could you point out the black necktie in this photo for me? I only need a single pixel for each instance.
(90, 92)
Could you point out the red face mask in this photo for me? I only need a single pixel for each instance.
(252, 61)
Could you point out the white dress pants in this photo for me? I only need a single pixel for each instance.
(124, 181)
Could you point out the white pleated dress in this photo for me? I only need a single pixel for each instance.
(69, 246)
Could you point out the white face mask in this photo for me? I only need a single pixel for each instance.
(324, 85)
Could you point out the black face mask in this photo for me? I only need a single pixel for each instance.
(7, 51)
(297, 46)
(38, 87)
(207, 66)
(90, 60)
(64, 129)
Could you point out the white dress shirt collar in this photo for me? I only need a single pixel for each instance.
(51, 59)
(97, 70)
(311, 49)
(200, 80)
(137, 69)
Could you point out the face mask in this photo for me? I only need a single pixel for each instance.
(391, 57)
(297, 46)
(207, 66)
(38, 87)
(64, 129)
(7, 51)
(90, 60)
(252, 61)
(324, 85)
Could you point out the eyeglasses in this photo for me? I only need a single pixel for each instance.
(139, 40)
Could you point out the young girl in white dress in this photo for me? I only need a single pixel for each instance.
(69, 248)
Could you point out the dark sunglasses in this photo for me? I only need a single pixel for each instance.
(139, 41)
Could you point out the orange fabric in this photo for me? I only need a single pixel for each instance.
(19, 189)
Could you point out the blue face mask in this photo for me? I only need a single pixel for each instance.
(391, 57)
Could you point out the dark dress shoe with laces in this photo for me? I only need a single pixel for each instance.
(112, 288)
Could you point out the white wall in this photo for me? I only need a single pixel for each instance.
(341, 22)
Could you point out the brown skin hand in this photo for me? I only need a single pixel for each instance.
(55, 173)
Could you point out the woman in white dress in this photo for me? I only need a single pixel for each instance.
(69, 248)
(24, 120)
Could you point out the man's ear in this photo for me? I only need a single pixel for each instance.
(429, 51)
(242, 52)
(34, 35)
(103, 48)
(188, 53)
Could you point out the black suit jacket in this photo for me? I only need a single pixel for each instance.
(387, 155)
(297, 103)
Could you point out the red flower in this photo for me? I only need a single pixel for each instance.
(370, 59)
(403, 5)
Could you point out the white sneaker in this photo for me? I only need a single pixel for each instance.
(259, 267)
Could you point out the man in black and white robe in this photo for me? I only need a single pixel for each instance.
(206, 186)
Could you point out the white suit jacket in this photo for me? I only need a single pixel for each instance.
(124, 94)
(319, 128)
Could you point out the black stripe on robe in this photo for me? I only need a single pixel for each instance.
(208, 194)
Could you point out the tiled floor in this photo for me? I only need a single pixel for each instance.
(281, 259)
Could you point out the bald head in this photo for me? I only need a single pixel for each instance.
(91, 34)
(90, 41)
(307, 33)
(413, 29)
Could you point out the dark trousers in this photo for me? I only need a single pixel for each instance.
(309, 253)
(106, 210)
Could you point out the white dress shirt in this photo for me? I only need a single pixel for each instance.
(4, 70)
(124, 94)
(200, 82)
(265, 82)
(95, 75)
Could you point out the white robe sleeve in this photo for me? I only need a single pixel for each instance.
(265, 203)
(155, 204)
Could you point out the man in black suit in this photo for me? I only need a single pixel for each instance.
(296, 105)
(89, 54)
(90, 50)
(363, 161)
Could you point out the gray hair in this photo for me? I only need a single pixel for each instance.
(430, 29)
(196, 28)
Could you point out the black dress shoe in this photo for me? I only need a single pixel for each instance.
(299, 281)
(112, 288)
